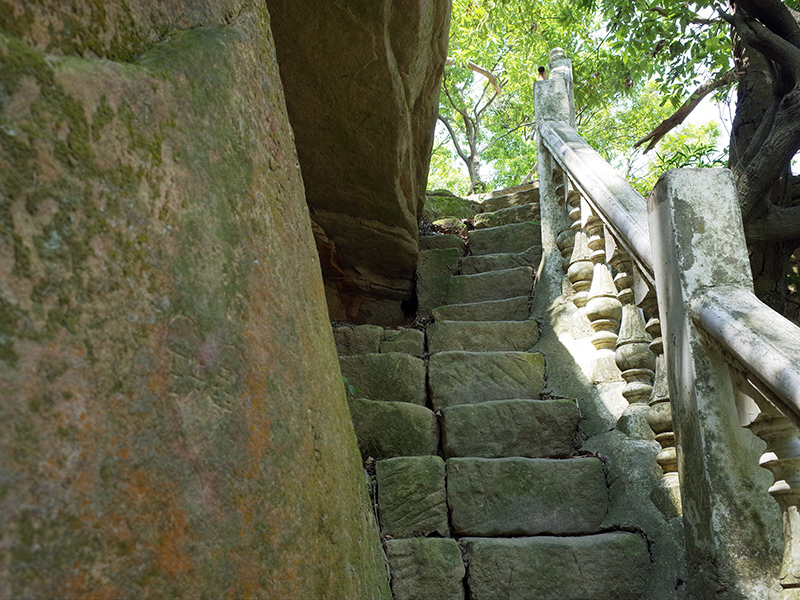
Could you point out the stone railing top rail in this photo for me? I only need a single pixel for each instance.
(756, 337)
(621, 207)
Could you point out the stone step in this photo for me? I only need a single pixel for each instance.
(606, 566)
(513, 196)
(504, 216)
(393, 376)
(511, 309)
(482, 336)
(438, 242)
(500, 497)
(494, 285)
(472, 377)
(371, 339)
(483, 263)
(514, 238)
(412, 496)
(434, 270)
(503, 428)
(426, 568)
(388, 429)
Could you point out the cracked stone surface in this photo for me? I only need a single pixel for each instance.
(471, 377)
(411, 496)
(494, 285)
(394, 376)
(511, 309)
(496, 262)
(607, 566)
(529, 428)
(482, 336)
(516, 237)
(526, 496)
(426, 568)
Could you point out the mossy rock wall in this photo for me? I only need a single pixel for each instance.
(173, 419)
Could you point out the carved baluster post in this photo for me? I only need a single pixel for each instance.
(566, 237)
(782, 458)
(603, 309)
(580, 270)
(667, 496)
(634, 358)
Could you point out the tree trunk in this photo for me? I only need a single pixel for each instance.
(756, 94)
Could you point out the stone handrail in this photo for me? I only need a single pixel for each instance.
(728, 360)
(757, 339)
(614, 199)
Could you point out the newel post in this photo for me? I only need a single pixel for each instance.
(553, 102)
(730, 520)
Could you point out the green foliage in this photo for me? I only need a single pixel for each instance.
(629, 78)
(686, 146)
(441, 204)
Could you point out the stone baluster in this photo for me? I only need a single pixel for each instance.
(782, 458)
(574, 208)
(566, 244)
(603, 309)
(667, 496)
(634, 358)
(580, 270)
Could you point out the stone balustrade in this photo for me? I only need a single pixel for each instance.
(644, 272)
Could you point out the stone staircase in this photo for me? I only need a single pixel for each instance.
(482, 492)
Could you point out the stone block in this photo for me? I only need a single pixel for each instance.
(394, 376)
(493, 497)
(494, 285)
(363, 339)
(434, 271)
(513, 196)
(505, 216)
(482, 336)
(426, 568)
(388, 429)
(531, 428)
(411, 496)
(472, 377)
(495, 262)
(407, 341)
(511, 309)
(440, 242)
(607, 566)
(515, 238)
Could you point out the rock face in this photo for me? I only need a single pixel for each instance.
(362, 87)
(173, 420)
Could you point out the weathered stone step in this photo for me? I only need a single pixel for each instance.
(512, 309)
(503, 428)
(497, 262)
(514, 238)
(606, 566)
(472, 377)
(494, 285)
(438, 242)
(434, 270)
(412, 496)
(504, 216)
(372, 339)
(513, 196)
(393, 376)
(498, 497)
(426, 568)
(389, 429)
(482, 336)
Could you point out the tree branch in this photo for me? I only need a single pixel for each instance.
(777, 225)
(478, 69)
(454, 138)
(687, 107)
(505, 135)
(696, 21)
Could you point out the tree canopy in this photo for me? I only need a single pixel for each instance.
(640, 67)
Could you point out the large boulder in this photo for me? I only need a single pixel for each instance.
(362, 84)
(173, 421)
